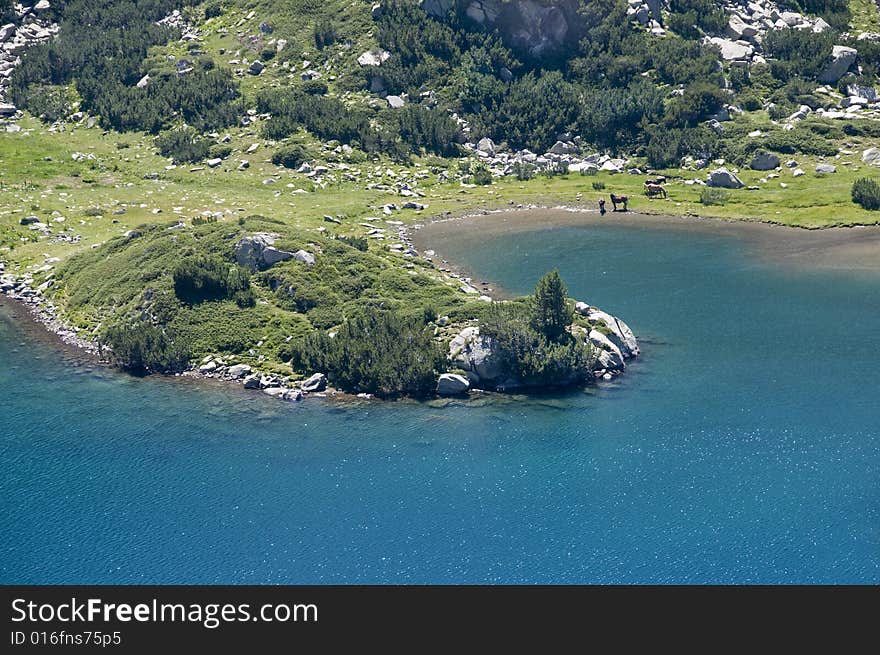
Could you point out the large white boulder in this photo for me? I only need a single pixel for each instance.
(452, 384)
(724, 179)
(842, 57)
(871, 156)
(764, 161)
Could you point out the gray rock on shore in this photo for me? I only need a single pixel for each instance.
(452, 384)
(317, 382)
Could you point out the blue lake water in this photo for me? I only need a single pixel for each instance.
(743, 447)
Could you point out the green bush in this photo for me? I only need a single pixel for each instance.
(314, 87)
(713, 196)
(866, 192)
(360, 243)
(219, 151)
(205, 277)
(598, 185)
(142, 347)
(481, 175)
(290, 156)
(183, 145)
(377, 352)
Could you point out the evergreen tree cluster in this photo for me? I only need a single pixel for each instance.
(378, 352)
(101, 48)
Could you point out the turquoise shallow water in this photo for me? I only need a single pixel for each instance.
(744, 446)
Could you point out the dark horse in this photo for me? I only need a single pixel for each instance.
(619, 200)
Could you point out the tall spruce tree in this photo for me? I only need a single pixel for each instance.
(550, 311)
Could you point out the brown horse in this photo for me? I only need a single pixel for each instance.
(652, 190)
(619, 200)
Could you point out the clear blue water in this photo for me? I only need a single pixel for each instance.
(744, 447)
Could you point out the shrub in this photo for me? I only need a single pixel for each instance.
(289, 156)
(713, 196)
(142, 347)
(219, 151)
(866, 192)
(183, 145)
(213, 10)
(377, 352)
(598, 185)
(201, 278)
(314, 87)
(482, 175)
(523, 171)
(359, 243)
(268, 53)
(324, 33)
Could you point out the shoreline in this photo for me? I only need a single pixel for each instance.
(851, 248)
(40, 320)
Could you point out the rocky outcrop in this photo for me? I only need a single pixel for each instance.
(29, 27)
(538, 27)
(612, 340)
(258, 252)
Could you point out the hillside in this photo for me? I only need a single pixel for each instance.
(142, 135)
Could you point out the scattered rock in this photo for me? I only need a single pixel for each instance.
(826, 168)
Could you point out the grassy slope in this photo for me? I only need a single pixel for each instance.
(39, 177)
(865, 15)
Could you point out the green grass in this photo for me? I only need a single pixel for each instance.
(865, 15)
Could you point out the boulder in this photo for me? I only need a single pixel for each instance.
(395, 102)
(871, 156)
(842, 57)
(293, 395)
(826, 168)
(252, 382)
(275, 392)
(473, 352)
(317, 382)
(610, 358)
(303, 256)
(732, 50)
(210, 367)
(373, 57)
(452, 384)
(724, 179)
(257, 252)
(486, 145)
(619, 333)
(239, 371)
(256, 68)
(764, 161)
(7, 109)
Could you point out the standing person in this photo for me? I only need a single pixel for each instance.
(602, 206)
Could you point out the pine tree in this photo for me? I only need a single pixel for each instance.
(551, 313)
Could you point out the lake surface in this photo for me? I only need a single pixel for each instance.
(743, 447)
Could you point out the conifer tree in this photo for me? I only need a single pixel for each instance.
(550, 311)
